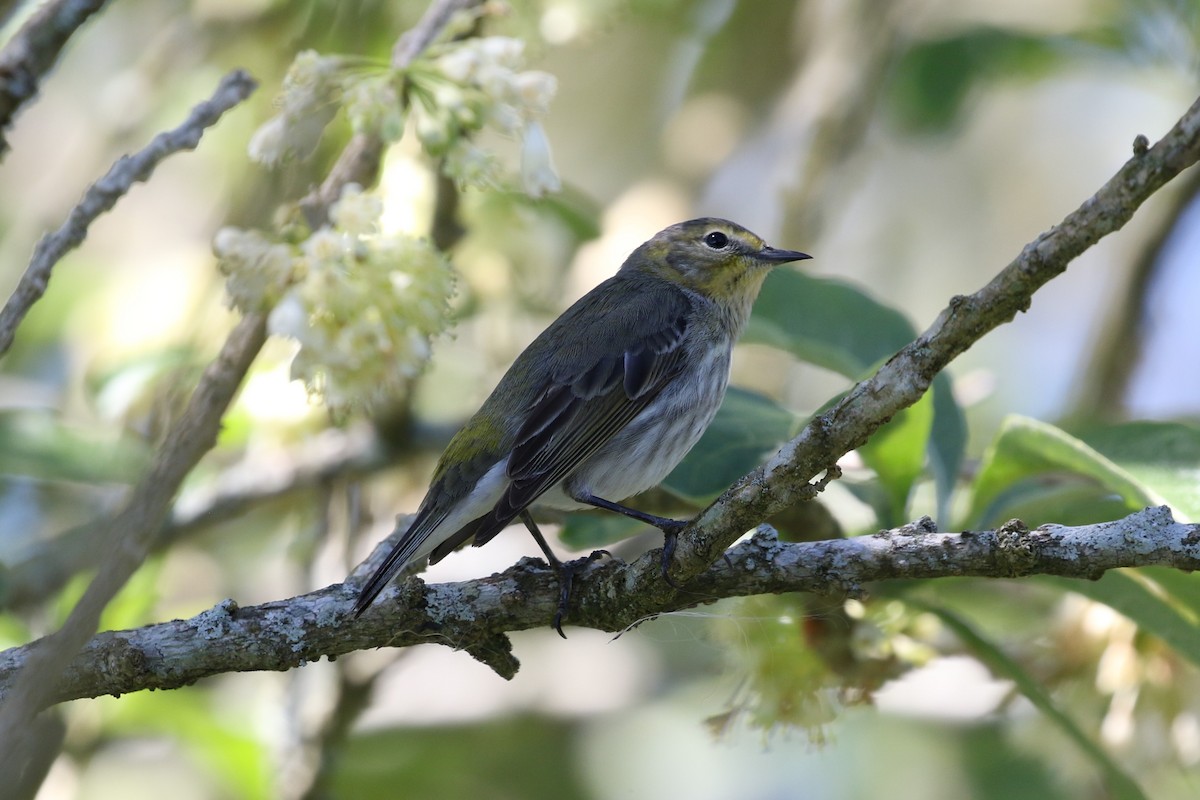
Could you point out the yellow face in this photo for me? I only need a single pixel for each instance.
(718, 258)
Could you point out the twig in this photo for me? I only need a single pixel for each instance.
(104, 194)
(286, 633)
(30, 54)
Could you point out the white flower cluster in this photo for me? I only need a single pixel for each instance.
(308, 102)
(476, 83)
(257, 270)
(362, 305)
(457, 90)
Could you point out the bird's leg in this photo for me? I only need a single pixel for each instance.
(669, 527)
(566, 571)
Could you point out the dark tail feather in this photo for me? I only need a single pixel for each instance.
(397, 559)
(378, 582)
(483, 528)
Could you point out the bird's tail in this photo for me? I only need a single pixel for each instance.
(402, 553)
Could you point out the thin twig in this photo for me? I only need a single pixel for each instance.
(102, 195)
(33, 51)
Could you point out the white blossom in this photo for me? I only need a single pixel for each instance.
(538, 174)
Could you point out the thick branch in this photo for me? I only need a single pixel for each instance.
(474, 615)
(908, 374)
(102, 195)
(30, 54)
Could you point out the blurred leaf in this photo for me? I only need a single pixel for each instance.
(1183, 587)
(1000, 769)
(521, 757)
(1028, 458)
(835, 325)
(947, 443)
(38, 445)
(747, 428)
(13, 630)
(932, 79)
(220, 737)
(1164, 456)
(575, 209)
(826, 322)
(582, 531)
(896, 452)
(1118, 783)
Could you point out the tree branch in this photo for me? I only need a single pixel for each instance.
(474, 615)
(785, 478)
(907, 375)
(30, 54)
(126, 538)
(102, 195)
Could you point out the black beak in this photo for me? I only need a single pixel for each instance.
(775, 256)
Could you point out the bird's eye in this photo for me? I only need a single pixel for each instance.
(716, 240)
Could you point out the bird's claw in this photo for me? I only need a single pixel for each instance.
(567, 570)
(670, 539)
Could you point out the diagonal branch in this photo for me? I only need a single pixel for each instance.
(899, 383)
(102, 195)
(126, 538)
(474, 615)
(33, 51)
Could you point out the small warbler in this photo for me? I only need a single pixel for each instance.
(603, 404)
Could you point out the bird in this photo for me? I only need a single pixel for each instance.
(602, 405)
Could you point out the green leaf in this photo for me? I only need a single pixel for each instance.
(947, 443)
(587, 530)
(1119, 784)
(896, 452)
(933, 79)
(38, 445)
(837, 326)
(747, 428)
(1029, 458)
(1164, 456)
(1183, 588)
(1134, 596)
(427, 761)
(826, 322)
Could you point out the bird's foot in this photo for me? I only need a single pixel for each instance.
(567, 570)
(670, 539)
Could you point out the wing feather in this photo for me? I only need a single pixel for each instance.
(576, 415)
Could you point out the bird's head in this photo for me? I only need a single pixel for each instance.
(714, 257)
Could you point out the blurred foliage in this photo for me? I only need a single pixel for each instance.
(1098, 680)
(429, 763)
(934, 79)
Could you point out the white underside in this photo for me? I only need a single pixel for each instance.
(637, 458)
